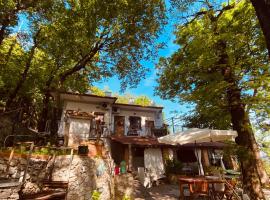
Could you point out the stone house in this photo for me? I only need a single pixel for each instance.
(86, 116)
(127, 128)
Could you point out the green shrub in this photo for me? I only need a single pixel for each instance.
(173, 167)
(214, 170)
(96, 195)
(126, 197)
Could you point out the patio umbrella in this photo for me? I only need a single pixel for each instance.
(196, 135)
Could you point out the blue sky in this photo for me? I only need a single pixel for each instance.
(147, 85)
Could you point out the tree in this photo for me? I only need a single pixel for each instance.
(262, 8)
(141, 100)
(97, 91)
(81, 42)
(207, 116)
(11, 9)
(230, 70)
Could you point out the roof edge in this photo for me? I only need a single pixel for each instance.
(106, 97)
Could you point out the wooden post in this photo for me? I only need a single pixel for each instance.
(66, 133)
(9, 160)
(51, 171)
(129, 157)
(69, 168)
(234, 163)
(206, 161)
(28, 160)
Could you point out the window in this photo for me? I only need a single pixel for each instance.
(135, 122)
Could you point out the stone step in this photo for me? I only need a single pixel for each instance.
(48, 195)
(55, 184)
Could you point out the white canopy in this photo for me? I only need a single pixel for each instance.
(196, 135)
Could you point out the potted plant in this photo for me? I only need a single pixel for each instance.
(96, 195)
(173, 168)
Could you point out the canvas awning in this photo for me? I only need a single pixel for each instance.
(196, 135)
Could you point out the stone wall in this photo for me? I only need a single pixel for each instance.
(35, 174)
(124, 186)
(9, 190)
(84, 174)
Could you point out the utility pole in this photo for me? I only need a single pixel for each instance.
(173, 124)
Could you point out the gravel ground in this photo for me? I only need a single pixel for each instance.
(160, 192)
(267, 193)
(164, 192)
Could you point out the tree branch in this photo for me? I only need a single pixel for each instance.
(23, 77)
(82, 62)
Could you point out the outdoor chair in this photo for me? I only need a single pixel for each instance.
(229, 187)
(218, 191)
(199, 189)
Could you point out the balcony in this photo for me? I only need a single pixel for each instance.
(159, 132)
(149, 131)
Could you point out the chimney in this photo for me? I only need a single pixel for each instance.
(108, 93)
(131, 100)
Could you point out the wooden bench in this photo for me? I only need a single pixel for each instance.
(46, 195)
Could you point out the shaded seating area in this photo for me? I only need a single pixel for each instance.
(207, 187)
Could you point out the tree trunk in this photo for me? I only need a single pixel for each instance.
(20, 83)
(4, 26)
(44, 113)
(240, 120)
(249, 158)
(23, 77)
(262, 8)
(46, 100)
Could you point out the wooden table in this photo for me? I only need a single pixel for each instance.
(193, 180)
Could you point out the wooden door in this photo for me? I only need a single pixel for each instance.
(119, 125)
(149, 125)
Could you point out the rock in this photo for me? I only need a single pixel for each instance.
(13, 162)
(3, 167)
(30, 188)
(13, 170)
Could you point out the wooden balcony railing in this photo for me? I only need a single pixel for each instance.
(159, 132)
